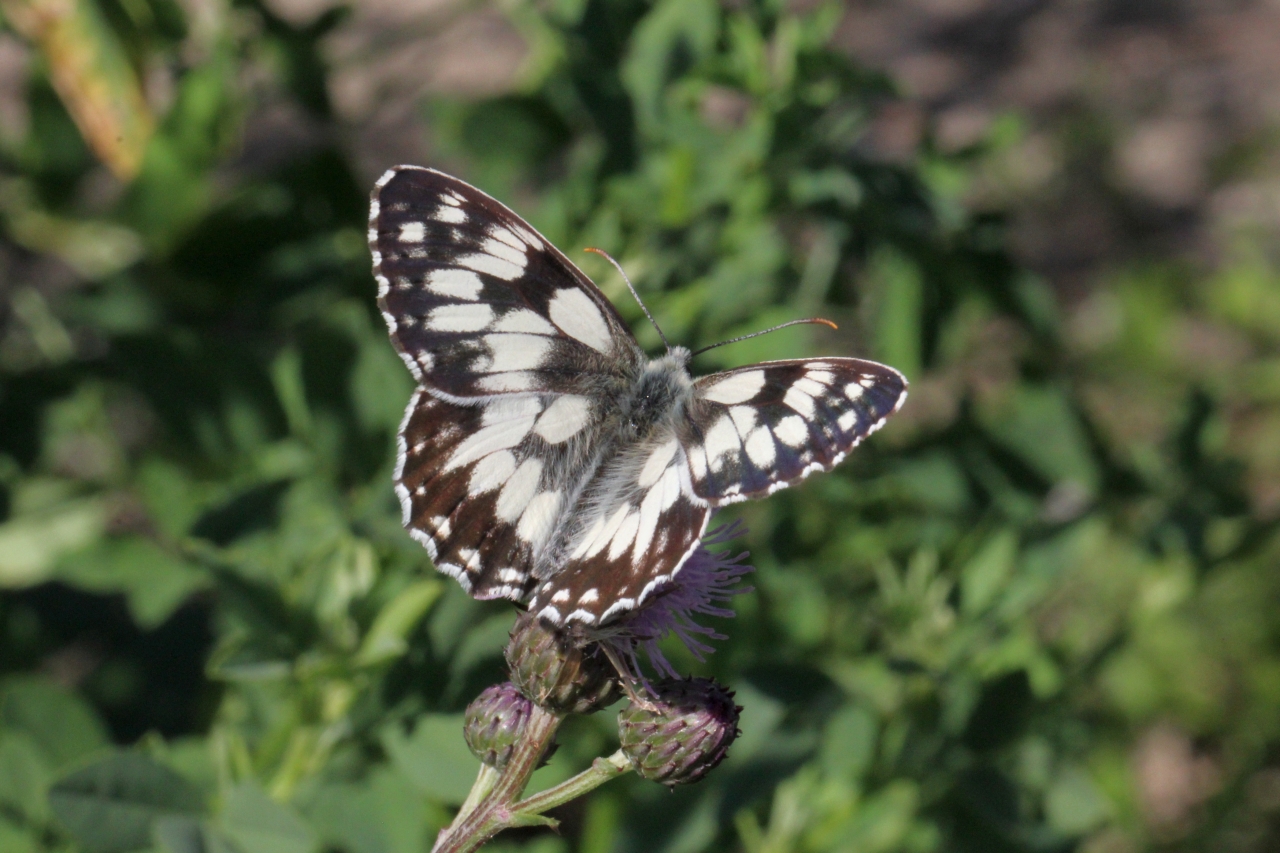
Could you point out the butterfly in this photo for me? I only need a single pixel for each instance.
(544, 457)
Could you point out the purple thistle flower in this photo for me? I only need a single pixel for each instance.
(706, 581)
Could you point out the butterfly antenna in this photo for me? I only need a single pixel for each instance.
(602, 253)
(813, 321)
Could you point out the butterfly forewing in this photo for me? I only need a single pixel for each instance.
(477, 302)
(757, 429)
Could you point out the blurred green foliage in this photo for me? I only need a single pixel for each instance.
(1036, 613)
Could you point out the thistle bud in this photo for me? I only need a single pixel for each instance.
(556, 673)
(685, 736)
(494, 723)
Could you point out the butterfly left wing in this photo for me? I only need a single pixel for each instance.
(479, 304)
(639, 525)
(757, 429)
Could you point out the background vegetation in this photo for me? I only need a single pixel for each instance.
(1036, 613)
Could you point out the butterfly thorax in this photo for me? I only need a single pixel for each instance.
(660, 394)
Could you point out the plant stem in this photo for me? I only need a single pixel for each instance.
(494, 812)
(491, 806)
(601, 771)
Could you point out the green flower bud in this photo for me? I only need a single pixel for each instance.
(495, 722)
(556, 673)
(685, 736)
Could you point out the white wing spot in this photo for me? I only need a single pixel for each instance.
(592, 545)
(561, 597)
(491, 472)
(511, 254)
(657, 463)
(823, 376)
(456, 283)
(800, 401)
(698, 462)
(722, 439)
(573, 311)
(515, 352)
(506, 235)
(516, 381)
(539, 518)
(853, 390)
(492, 265)
(519, 490)
(625, 536)
(847, 420)
(452, 214)
(459, 318)
(650, 513)
(591, 596)
(412, 232)
(505, 410)
(792, 431)
(744, 419)
(523, 320)
(760, 447)
(808, 386)
(490, 439)
(564, 418)
(670, 488)
(737, 388)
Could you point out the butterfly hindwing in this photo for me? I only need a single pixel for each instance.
(641, 521)
(484, 486)
(477, 302)
(757, 429)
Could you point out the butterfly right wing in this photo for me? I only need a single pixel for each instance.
(478, 303)
(757, 429)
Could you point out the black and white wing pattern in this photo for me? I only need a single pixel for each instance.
(542, 457)
(757, 429)
(637, 525)
(517, 356)
(477, 302)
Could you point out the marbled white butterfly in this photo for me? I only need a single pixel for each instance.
(544, 458)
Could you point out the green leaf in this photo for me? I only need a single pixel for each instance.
(258, 824)
(985, 574)
(109, 806)
(30, 545)
(60, 724)
(387, 638)
(900, 297)
(155, 581)
(183, 834)
(24, 777)
(434, 756)
(15, 839)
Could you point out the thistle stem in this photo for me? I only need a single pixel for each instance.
(491, 806)
(601, 771)
(494, 813)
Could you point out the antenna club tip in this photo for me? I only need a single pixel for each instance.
(827, 323)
